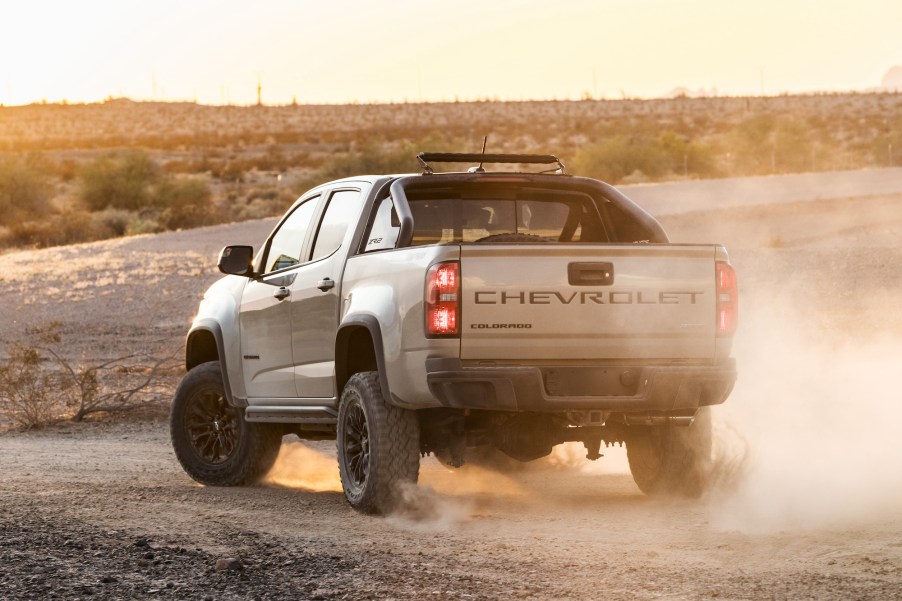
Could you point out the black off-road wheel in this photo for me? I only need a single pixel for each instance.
(214, 444)
(378, 446)
(672, 460)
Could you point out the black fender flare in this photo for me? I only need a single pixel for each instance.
(342, 342)
(195, 356)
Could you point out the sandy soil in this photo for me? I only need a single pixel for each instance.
(808, 503)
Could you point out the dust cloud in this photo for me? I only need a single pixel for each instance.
(420, 507)
(812, 435)
(810, 438)
(300, 466)
(445, 497)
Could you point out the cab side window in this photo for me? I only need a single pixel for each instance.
(344, 207)
(288, 242)
(386, 227)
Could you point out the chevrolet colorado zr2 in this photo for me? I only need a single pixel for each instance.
(460, 314)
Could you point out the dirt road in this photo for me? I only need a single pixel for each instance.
(105, 510)
(808, 501)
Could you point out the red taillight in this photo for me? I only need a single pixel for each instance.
(727, 298)
(443, 300)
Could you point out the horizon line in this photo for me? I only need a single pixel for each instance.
(407, 101)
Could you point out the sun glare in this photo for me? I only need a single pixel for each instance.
(396, 51)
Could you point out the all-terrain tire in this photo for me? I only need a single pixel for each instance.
(672, 460)
(378, 446)
(212, 441)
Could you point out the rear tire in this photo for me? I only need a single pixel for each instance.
(378, 446)
(211, 439)
(672, 460)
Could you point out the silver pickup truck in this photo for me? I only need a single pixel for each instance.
(460, 314)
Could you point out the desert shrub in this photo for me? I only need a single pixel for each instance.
(66, 170)
(793, 147)
(185, 203)
(121, 180)
(373, 158)
(68, 227)
(615, 158)
(268, 202)
(751, 145)
(25, 188)
(112, 222)
(144, 224)
(645, 155)
(123, 186)
(28, 391)
(40, 386)
(886, 148)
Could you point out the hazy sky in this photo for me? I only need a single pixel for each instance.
(392, 50)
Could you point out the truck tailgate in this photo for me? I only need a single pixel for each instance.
(587, 302)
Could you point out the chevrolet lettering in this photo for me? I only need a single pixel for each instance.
(610, 297)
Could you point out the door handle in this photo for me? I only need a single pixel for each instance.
(326, 284)
(282, 293)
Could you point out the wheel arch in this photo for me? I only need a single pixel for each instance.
(358, 348)
(204, 344)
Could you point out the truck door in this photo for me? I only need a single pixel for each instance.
(316, 296)
(265, 317)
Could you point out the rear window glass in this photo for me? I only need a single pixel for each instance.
(472, 220)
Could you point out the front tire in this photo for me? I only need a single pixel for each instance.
(211, 439)
(378, 446)
(672, 460)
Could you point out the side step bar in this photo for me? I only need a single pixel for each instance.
(291, 415)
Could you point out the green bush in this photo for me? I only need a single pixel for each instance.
(377, 157)
(121, 181)
(134, 195)
(185, 203)
(372, 158)
(644, 156)
(615, 158)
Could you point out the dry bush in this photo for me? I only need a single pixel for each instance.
(40, 386)
(25, 188)
(114, 221)
(68, 227)
(185, 203)
(118, 180)
(132, 194)
(144, 224)
(29, 393)
(640, 157)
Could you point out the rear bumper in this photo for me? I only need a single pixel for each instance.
(549, 389)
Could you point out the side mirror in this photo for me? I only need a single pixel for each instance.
(237, 260)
